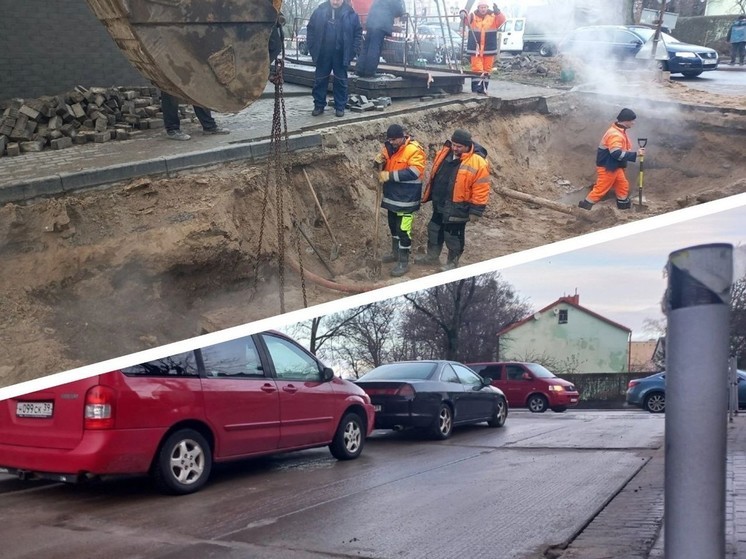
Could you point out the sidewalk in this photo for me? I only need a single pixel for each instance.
(51, 172)
(631, 525)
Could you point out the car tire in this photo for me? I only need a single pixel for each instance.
(547, 49)
(559, 409)
(349, 439)
(183, 463)
(691, 74)
(443, 425)
(500, 415)
(537, 403)
(655, 402)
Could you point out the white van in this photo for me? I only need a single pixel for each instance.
(511, 35)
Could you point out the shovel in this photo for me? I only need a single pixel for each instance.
(335, 245)
(641, 142)
(376, 263)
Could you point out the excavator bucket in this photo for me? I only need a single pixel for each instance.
(212, 53)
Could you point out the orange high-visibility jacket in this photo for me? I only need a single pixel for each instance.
(615, 149)
(471, 189)
(403, 190)
(482, 38)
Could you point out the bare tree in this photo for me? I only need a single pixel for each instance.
(460, 320)
(297, 13)
(367, 336)
(320, 330)
(738, 321)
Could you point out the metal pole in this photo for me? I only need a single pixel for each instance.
(698, 310)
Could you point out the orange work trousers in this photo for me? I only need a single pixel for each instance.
(482, 63)
(606, 181)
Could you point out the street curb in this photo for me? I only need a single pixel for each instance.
(68, 182)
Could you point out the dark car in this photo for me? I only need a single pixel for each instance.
(622, 43)
(300, 42)
(649, 393)
(529, 385)
(434, 396)
(174, 417)
(431, 43)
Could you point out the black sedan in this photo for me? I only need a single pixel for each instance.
(433, 396)
(610, 44)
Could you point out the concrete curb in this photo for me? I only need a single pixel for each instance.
(68, 182)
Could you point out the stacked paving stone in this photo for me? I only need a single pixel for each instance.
(79, 116)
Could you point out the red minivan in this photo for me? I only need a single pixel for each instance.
(529, 385)
(174, 417)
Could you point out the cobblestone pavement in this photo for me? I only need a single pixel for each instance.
(252, 123)
(631, 525)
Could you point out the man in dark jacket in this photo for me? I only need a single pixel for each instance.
(459, 188)
(378, 25)
(334, 35)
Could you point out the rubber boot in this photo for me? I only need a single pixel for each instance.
(432, 256)
(403, 266)
(393, 256)
(450, 264)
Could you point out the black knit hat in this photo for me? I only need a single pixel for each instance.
(394, 131)
(462, 137)
(626, 115)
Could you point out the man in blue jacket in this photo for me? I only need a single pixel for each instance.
(737, 39)
(334, 36)
(378, 25)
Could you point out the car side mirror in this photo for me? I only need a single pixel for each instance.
(327, 374)
(486, 381)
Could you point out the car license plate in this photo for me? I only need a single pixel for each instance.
(376, 408)
(709, 62)
(34, 409)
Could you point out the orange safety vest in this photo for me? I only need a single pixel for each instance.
(403, 191)
(471, 189)
(484, 32)
(615, 149)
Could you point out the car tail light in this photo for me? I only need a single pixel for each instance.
(405, 391)
(632, 383)
(99, 408)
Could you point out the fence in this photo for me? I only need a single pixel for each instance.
(603, 390)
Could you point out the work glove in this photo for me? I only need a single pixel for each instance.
(641, 152)
(464, 15)
(379, 159)
(383, 176)
(475, 218)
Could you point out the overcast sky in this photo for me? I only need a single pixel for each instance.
(623, 279)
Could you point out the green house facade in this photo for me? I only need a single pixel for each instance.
(569, 338)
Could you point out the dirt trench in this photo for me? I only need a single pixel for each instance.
(107, 272)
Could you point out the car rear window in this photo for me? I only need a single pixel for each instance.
(181, 365)
(401, 371)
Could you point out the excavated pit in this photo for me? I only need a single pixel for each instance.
(97, 274)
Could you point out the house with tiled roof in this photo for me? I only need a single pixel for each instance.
(570, 336)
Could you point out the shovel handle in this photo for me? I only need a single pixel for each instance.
(642, 142)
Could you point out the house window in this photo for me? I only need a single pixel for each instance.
(562, 317)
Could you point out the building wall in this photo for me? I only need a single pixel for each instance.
(583, 345)
(48, 47)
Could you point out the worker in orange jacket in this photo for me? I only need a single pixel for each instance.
(612, 156)
(482, 42)
(402, 163)
(459, 188)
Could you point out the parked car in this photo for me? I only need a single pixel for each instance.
(434, 396)
(621, 43)
(429, 42)
(174, 417)
(529, 385)
(300, 42)
(649, 393)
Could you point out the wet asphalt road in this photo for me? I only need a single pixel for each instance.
(498, 493)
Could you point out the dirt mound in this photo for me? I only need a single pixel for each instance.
(104, 273)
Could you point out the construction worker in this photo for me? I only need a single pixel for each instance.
(459, 188)
(612, 156)
(402, 164)
(737, 39)
(482, 42)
